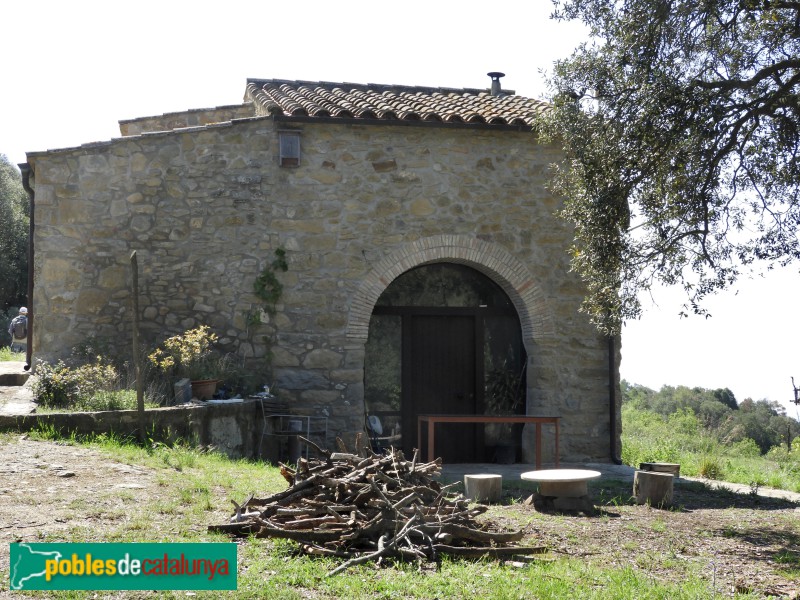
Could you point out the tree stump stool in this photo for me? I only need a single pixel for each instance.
(661, 467)
(652, 487)
(483, 487)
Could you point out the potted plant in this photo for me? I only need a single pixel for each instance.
(504, 397)
(190, 355)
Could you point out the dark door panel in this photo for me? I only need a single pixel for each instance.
(440, 379)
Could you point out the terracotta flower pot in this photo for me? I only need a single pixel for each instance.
(204, 389)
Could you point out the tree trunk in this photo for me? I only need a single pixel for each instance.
(652, 487)
(483, 487)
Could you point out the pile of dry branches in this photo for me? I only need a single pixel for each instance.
(366, 506)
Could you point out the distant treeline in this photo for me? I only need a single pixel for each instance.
(730, 422)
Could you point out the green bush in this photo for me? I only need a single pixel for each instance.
(111, 400)
(7, 355)
(710, 467)
(651, 433)
(651, 437)
(685, 421)
(746, 448)
(61, 386)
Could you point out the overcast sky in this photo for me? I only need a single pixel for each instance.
(73, 69)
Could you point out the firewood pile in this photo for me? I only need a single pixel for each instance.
(365, 507)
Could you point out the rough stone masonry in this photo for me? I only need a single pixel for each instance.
(206, 204)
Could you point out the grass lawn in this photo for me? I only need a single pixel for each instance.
(165, 494)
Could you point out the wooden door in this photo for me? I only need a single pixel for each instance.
(440, 353)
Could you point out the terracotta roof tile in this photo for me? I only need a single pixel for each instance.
(390, 102)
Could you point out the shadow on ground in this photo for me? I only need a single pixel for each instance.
(688, 496)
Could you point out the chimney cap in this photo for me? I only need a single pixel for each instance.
(496, 89)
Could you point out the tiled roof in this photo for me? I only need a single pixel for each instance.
(390, 102)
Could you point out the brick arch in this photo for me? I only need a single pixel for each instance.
(492, 260)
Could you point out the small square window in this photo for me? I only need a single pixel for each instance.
(289, 148)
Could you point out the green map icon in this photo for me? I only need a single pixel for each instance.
(28, 564)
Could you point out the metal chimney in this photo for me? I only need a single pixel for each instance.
(495, 75)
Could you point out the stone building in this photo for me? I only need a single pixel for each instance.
(426, 266)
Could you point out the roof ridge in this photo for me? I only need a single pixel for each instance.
(392, 87)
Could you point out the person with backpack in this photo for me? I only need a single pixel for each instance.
(18, 328)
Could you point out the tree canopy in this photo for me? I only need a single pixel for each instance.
(14, 207)
(717, 411)
(680, 121)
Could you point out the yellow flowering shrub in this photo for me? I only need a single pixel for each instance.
(189, 354)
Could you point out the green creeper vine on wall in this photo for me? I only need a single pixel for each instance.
(268, 289)
(266, 286)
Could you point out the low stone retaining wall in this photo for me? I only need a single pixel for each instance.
(234, 429)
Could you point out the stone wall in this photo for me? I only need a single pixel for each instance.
(233, 429)
(190, 118)
(205, 208)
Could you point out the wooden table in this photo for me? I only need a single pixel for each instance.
(431, 420)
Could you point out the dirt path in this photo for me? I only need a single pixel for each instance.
(49, 489)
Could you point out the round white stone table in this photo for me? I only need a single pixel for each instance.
(562, 483)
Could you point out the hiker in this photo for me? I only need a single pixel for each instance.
(18, 329)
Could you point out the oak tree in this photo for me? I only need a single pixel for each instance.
(680, 121)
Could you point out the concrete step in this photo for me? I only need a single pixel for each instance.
(13, 379)
(16, 398)
(13, 373)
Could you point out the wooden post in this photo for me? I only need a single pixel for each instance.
(652, 487)
(483, 487)
(136, 354)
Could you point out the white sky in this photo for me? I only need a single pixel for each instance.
(73, 69)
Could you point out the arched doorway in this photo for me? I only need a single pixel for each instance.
(444, 339)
